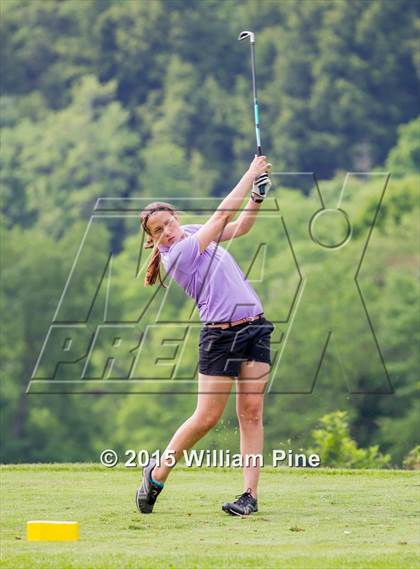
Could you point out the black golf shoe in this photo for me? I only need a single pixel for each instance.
(148, 492)
(245, 505)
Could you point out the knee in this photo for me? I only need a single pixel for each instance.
(250, 414)
(206, 420)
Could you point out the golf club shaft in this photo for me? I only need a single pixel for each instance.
(243, 35)
(256, 110)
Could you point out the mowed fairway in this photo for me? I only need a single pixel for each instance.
(316, 519)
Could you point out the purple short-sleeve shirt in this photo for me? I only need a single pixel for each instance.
(212, 278)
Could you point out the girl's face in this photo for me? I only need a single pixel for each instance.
(164, 228)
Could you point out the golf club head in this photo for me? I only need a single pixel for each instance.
(247, 34)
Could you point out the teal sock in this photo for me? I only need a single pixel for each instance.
(155, 482)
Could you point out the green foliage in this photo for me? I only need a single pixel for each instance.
(336, 87)
(47, 46)
(54, 170)
(333, 443)
(335, 78)
(404, 158)
(412, 460)
(168, 173)
(34, 272)
(152, 100)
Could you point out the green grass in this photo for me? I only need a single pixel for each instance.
(312, 519)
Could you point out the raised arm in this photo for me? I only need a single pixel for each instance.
(233, 201)
(228, 208)
(243, 224)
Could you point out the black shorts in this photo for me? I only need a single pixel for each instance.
(223, 351)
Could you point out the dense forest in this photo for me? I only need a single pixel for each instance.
(139, 100)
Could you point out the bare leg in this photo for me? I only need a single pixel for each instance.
(251, 385)
(213, 394)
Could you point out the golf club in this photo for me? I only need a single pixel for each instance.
(243, 35)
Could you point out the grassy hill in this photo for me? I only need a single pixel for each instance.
(311, 519)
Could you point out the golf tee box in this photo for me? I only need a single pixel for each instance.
(39, 530)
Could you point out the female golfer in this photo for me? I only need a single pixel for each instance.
(235, 337)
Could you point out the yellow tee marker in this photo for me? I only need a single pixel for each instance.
(39, 530)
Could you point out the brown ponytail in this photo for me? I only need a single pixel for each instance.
(153, 267)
